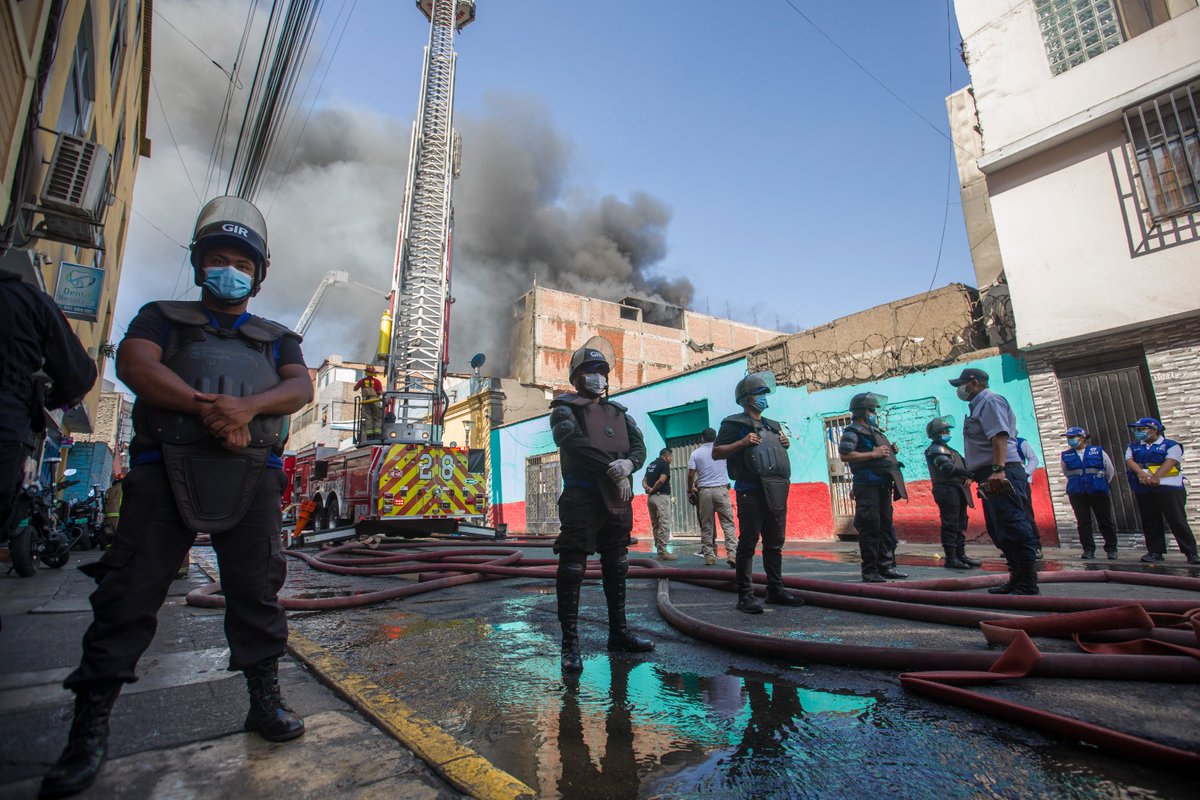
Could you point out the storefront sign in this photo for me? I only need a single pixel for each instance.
(78, 290)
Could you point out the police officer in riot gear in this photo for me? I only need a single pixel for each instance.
(755, 452)
(877, 481)
(214, 386)
(601, 447)
(949, 475)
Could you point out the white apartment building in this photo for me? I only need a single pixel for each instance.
(1079, 158)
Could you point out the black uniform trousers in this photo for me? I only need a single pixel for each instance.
(1153, 507)
(1007, 517)
(951, 499)
(873, 521)
(12, 465)
(134, 576)
(756, 519)
(587, 526)
(1085, 505)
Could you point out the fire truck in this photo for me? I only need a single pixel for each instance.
(400, 480)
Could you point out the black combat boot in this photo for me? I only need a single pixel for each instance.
(1009, 586)
(568, 618)
(744, 570)
(952, 559)
(1027, 579)
(961, 551)
(620, 638)
(274, 721)
(87, 744)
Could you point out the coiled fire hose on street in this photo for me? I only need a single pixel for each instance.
(1119, 640)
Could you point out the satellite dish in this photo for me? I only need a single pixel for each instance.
(477, 360)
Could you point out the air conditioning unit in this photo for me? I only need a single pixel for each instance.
(77, 182)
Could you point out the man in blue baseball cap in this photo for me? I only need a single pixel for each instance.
(990, 450)
(1152, 465)
(1089, 471)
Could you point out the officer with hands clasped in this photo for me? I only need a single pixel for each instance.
(877, 482)
(1152, 464)
(990, 450)
(1089, 471)
(215, 386)
(601, 447)
(754, 449)
(949, 474)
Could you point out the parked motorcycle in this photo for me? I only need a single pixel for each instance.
(84, 519)
(39, 535)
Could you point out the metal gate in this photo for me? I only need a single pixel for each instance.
(543, 484)
(840, 481)
(1104, 394)
(683, 515)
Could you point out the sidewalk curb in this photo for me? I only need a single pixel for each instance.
(461, 766)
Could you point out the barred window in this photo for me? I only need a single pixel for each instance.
(1077, 30)
(1165, 146)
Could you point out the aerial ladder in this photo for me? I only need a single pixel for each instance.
(331, 277)
(406, 482)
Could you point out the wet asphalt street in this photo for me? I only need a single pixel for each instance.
(692, 719)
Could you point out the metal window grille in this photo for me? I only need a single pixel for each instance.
(1165, 148)
(1076, 30)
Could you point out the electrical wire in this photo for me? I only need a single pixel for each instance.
(163, 110)
(214, 62)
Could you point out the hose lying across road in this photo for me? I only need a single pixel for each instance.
(1119, 640)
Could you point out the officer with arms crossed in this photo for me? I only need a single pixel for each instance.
(1089, 471)
(36, 337)
(989, 436)
(600, 447)
(754, 449)
(949, 475)
(877, 481)
(709, 484)
(1152, 465)
(657, 486)
(214, 386)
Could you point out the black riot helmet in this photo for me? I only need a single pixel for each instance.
(231, 222)
(938, 425)
(861, 403)
(596, 352)
(752, 384)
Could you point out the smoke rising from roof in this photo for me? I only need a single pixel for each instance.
(517, 214)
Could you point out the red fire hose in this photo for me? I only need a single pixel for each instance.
(1125, 640)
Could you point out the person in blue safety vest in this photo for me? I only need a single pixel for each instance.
(1152, 465)
(1089, 471)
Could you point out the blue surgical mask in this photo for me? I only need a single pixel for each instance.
(945, 437)
(760, 402)
(595, 383)
(1074, 441)
(227, 283)
(1141, 436)
(873, 420)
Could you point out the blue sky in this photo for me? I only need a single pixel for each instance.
(799, 187)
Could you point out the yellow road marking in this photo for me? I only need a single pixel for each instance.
(461, 766)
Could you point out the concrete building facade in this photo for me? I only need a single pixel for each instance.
(74, 93)
(1081, 122)
(651, 340)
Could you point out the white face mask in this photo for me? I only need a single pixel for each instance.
(595, 383)
(964, 394)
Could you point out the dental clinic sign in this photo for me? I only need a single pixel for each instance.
(78, 290)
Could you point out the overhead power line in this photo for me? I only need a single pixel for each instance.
(215, 63)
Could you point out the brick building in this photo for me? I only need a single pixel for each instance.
(652, 340)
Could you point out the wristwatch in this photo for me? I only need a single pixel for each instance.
(997, 468)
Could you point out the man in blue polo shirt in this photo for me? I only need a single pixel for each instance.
(990, 450)
(1152, 464)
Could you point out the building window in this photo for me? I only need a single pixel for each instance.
(116, 55)
(80, 93)
(1165, 148)
(1077, 30)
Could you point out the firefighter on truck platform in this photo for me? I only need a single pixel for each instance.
(601, 447)
(215, 386)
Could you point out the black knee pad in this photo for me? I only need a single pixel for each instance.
(614, 563)
(571, 567)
